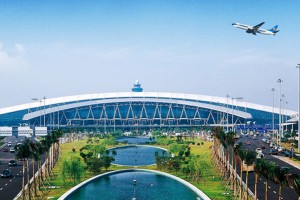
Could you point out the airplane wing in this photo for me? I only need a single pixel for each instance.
(256, 27)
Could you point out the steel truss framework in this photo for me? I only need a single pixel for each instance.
(131, 113)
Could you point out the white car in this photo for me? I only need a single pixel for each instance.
(258, 150)
(260, 155)
(280, 149)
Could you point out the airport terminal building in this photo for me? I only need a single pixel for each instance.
(143, 110)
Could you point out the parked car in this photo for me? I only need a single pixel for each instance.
(281, 149)
(6, 173)
(12, 163)
(5, 149)
(260, 155)
(287, 153)
(263, 147)
(9, 144)
(273, 152)
(248, 142)
(258, 150)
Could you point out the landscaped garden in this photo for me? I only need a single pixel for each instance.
(82, 159)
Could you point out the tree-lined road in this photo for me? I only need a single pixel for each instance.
(273, 189)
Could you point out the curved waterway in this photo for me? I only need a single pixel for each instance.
(137, 155)
(136, 140)
(148, 185)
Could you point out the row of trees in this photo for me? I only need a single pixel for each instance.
(32, 150)
(224, 143)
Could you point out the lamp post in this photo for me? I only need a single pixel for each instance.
(282, 116)
(280, 104)
(234, 98)
(298, 66)
(44, 98)
(227, 96)
(273, 91)
(40, 100)
(286, 124)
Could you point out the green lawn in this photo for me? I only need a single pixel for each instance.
(214, 186)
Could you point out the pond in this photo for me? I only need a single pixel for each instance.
(139, 184)
(136, 140)
(137, 155)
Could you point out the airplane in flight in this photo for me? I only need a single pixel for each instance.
(256, 29)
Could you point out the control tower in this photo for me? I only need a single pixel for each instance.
(137, 87)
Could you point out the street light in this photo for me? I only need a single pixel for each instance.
(282, 117)
(227, 96)
(40, 100)
(280, 104)
(273, 91)
(234, 98)
(286, 124)
(44, 98)
(298, 66)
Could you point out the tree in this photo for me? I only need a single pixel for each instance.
(107, 160)
(242, 155)
(75, 169)
(114, 153)
(280, 176)
(22, 153)
(176, 148)
(268, 172)
(37, 151)
(236, 150)
(230, 140)
(249, 160)
(94, 165)
(65, 170)
(294, 181)
(258, 170)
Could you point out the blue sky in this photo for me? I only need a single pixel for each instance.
(58, 48)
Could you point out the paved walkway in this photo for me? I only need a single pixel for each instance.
(288, 161)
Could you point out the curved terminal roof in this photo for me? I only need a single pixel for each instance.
(145, 96)
(145, 99)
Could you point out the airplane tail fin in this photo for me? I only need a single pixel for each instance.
(274, 29)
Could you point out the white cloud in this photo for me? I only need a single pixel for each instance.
(14, 61)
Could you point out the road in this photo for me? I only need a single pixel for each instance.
(273, 189)
(10, 187)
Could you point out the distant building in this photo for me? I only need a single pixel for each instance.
(137, 87)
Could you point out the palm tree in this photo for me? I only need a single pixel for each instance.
(268, 172)
(280, 176)
(41, 150)
(242, 155)
(230, 139)
(258, 170)
(28, 144)
(294, 181)
(22, 153)
(249, 160)
(36, 156)
(46, 146)
(236, 150)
